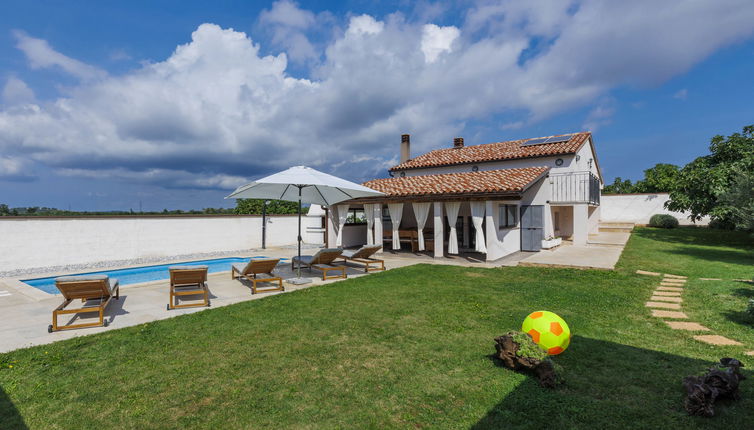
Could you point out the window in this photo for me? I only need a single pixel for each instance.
(508, 216)
(356, 216)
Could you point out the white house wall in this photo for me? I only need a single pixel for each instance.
(638, 208)
(43, 242)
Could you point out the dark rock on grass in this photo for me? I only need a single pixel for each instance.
(517, 351)
(720, 381)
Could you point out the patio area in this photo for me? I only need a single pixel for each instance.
(601, 252)
(28, 311)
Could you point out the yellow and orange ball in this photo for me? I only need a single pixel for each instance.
(548, 330)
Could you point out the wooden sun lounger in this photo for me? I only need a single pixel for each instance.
(188, 281)
(253, 269)
(95, 292)
(322, 261)
(363, 255)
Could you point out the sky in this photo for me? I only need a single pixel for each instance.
(115, 105)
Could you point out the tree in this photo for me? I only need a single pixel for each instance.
(740, 198)
(275, 207)
(4, 210)
(659, 179)
(702, 183)
(619, 186)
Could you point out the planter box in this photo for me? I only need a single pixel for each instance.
(552, 243)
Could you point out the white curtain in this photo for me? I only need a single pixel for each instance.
(369, 212)
(477, 217)
(396, 213)
(421, 210)
(451, 210)
(342, 215)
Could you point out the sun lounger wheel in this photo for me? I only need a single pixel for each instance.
(106, 323)
(49, 328)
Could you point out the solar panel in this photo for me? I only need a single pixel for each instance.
(544, 140)
(537, 141)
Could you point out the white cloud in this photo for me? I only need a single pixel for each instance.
(365, 24)
(15, 169)
(16, 92)
(437, 40)
(41, 56)
(600, 115)
(682, 94)
(217, 111)
(288, 25)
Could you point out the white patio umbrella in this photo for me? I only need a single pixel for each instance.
(303, 185)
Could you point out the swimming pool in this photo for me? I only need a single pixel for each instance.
(137, 275)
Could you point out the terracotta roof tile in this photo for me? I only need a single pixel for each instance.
(494, 151)
(489, 181)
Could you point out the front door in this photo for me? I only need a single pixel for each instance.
(532, 227)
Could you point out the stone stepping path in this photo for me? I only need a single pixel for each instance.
(683, 325)
(668, 296)
(716, 339)
(666, 299)
(667, 293)
(663, 305)
(676, 289)
(668, 314)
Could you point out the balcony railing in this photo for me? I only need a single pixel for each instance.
(576, 187)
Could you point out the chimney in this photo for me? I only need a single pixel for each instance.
(458, 142)
(405, 147)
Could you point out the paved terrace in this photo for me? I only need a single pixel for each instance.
(27, 311)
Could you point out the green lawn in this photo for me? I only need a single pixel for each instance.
(407, 348)
(691, 251)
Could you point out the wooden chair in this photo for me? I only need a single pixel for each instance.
(256, 267)
(363, 255)
(94, 291)
(188, 281)
(322, 261)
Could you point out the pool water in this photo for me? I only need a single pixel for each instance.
(137, 275)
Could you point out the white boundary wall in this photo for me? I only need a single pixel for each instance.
(638, 208)
(44, 242)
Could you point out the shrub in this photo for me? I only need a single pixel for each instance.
(663, 221)
(719, 224)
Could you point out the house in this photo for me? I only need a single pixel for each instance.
(494, 199)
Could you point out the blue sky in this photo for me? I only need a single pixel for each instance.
(108, 105)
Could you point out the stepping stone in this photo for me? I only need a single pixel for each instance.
(677, 281)
(749, 353)
(683, 325)
(716, 339)
(710, 279)
(668, 275)
(644, 272)
(670, 284)
(666, 299)
(668, 314)
(667, 293)
(663, 305)
(676, 289)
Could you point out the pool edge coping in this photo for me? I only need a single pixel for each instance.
(38, 295)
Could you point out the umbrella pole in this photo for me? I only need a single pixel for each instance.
(299, 233)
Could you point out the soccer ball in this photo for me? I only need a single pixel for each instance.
(548, 330)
